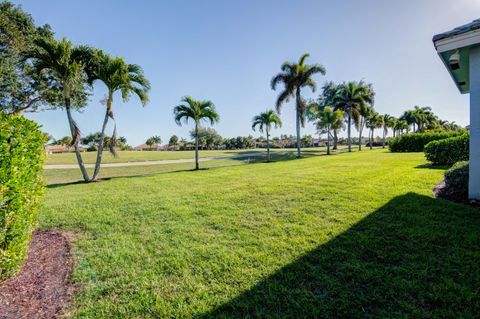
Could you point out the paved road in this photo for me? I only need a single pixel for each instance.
(160, 162)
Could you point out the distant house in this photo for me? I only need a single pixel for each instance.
(155, 147)
(52, 149)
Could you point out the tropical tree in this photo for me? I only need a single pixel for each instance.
(327, 98)
(349, 98)
(264, 121)
(173, 141)
(387, 122)
(154, 140)
(295, 77)
(364, 110)
(67, 66)
(328, 120)
(373, 121)
(118, 76)
(197, 111)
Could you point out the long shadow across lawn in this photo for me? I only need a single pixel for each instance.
(415, 257)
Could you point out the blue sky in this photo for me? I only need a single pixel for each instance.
(227, 52)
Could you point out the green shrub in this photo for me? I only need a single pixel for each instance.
(416, 142)
(21, 188)
(456, 181)
(448, 151)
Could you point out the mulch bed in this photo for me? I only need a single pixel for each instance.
(440, 192)
(42, 288)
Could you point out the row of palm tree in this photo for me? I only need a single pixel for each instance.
(75, 67)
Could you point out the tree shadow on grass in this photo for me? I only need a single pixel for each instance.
(415, 257)
(431, 166)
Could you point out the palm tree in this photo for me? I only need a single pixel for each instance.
(154, 140)
(67, 64)
(349, 98)
(387, 122)
(117, 75)
(373, 121)
(197, 111)
(364, 111)
(294, 77)
(264, 121)
(329, 119)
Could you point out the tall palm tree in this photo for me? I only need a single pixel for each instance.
(295, 77)
(349, 98)
(373, 121)
(387, 122)
(264, 121)
(327, 98)
(364, 111)
(328, 120)
(197, 111)
(117, 75)
(67, 64)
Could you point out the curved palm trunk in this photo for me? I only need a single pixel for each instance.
(335, 139)
(196, 146)
(298, 124)
(100, 142)
(268, 145)
(349, 129)
(328, 139)
(73, 130)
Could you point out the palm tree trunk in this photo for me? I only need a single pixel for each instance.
(349, 129)
(268, 145)
(360, 135)
(76, 146)
(100, 142)
(298, 124)
(328, 139)
(383, 142)
(196, 146)
(370, 138)
(335, 139)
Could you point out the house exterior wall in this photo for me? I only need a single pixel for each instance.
(474, 174)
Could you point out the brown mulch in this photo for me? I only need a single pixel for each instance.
(42, 288)
(440, 192)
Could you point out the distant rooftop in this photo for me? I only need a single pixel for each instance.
(474, 25)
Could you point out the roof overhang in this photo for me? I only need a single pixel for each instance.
(459, 40)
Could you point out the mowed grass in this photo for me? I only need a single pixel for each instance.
(349, 235)
(142, 156)
(72, 175)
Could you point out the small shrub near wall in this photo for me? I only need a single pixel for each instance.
(448, 151)
(416, 142)
(21, 188)
(456, 182)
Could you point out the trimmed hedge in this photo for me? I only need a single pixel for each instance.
(21, 188)
(416, 142)
(456, 181)
(448, 151)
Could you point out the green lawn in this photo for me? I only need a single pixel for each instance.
(349, 235)
(135, 156)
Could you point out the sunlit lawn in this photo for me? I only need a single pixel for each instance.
(140, 156)
(349, 235)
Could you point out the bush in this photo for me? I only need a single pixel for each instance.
(448, 151)
(21, 188)
(456, 181)
(416, 142)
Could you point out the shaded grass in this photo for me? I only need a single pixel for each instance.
(354, 234)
